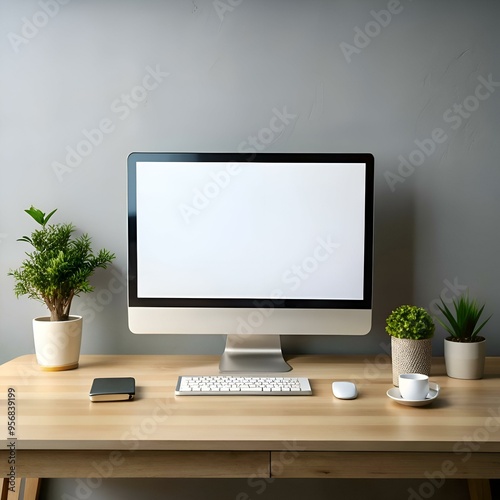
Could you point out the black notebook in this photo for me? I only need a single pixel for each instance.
(112, 389)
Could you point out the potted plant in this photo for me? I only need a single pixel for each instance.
(411, 329)
(464, 349)
(57, 270)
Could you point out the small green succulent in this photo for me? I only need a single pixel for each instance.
(463, 321)
(410, 322)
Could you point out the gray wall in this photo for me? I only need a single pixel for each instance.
(417, 86)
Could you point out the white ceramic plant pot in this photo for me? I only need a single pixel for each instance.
(410, 356)
(57, 343)
(464, 360)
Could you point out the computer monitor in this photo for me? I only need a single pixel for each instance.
(250, 245)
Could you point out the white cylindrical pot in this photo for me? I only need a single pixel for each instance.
(57, 343)
(410, 356)
(464, 360)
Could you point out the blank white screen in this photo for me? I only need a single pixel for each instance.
(250, 230)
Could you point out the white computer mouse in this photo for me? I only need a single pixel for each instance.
(344, 390)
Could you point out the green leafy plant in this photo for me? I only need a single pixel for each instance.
(462, 322)
(59, 267)
(410, 322)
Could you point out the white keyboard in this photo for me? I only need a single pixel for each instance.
(239, 385)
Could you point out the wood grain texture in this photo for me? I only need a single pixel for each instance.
(31, 488)
(383, 465)
(155, 463)
(479, 489)
(7, 494)
(4, 489)
(54, 415)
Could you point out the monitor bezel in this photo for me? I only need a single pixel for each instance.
(248, 303)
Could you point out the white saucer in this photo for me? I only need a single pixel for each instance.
(395, 395)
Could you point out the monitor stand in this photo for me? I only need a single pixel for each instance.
(253, 353)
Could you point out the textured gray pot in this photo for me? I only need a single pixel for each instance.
(410, 356)
(464, 360)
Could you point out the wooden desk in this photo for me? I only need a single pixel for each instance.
(60, 433)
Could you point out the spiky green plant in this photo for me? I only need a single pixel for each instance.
(59, 267)
(410, 322)
(463, 320)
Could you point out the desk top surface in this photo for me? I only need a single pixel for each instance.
(53, 410)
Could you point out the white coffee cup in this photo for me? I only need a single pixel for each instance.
(413, 386)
